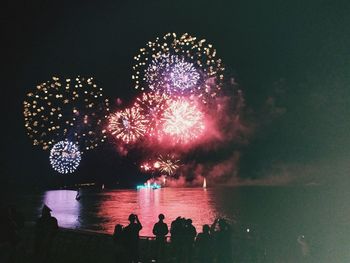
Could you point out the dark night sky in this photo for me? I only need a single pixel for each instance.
(294, 51)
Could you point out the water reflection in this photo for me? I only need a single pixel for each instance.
(103, 210)
(148, 204)
(276, 215)
(64, 207)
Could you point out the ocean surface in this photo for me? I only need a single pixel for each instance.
(278, 215)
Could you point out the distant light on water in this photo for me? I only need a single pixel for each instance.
(204, 182)
(148, 186)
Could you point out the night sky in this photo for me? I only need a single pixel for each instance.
(290, 58)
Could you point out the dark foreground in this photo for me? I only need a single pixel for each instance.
(276, 218)
(88, 246)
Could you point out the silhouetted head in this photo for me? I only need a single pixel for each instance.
(118, 229)
(46, 211)
(161, 217)
(189, 221)
(132, 218)
(206, 229)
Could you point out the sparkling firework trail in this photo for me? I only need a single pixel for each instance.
(183, 76)
(183, 121)
(65, 157)
(128, 125)
(167, 164)
(71, 108)
(172, 75)
(146, 167)
(151, 105)
(179, 65)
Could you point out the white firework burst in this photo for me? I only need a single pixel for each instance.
(65, 157)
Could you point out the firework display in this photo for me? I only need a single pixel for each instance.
(179, 65)
(173, 74)
(183, 121)
(65, 157)
(167, 164)
(146, 167)
(163, 164)
(179, 80)
(151, 105)
(127, 125)
(66, 109)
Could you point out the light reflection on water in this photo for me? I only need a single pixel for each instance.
(278, 215)
(148, 204)
(102, 211)
(274, 212)
(65, 208)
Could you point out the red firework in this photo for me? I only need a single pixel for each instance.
(151, 105)
(183, 121)
(146, 167)
(127, 125)
(167, 165)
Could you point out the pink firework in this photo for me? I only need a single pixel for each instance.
(164, 164)
(151, 105)
(183, 121)
(167, 164)
(146, 167)
(127, 125)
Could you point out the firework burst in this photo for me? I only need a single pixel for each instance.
(179, 65)
(146, 167)
(151, 105)
(167, 164)
(183, 121)
(65, 157)
(128, 125)
(70, 108)
(172, 75)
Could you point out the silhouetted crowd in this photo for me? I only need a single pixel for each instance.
(180, 243)
(213, 244)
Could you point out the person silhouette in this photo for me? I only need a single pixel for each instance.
(204, 245)
(189, 235)
(222, 234)
(118, 239)
(160, 230)
(176, 231)
(78, 196)
(46, 230)
(304, 248)
(131, 238)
